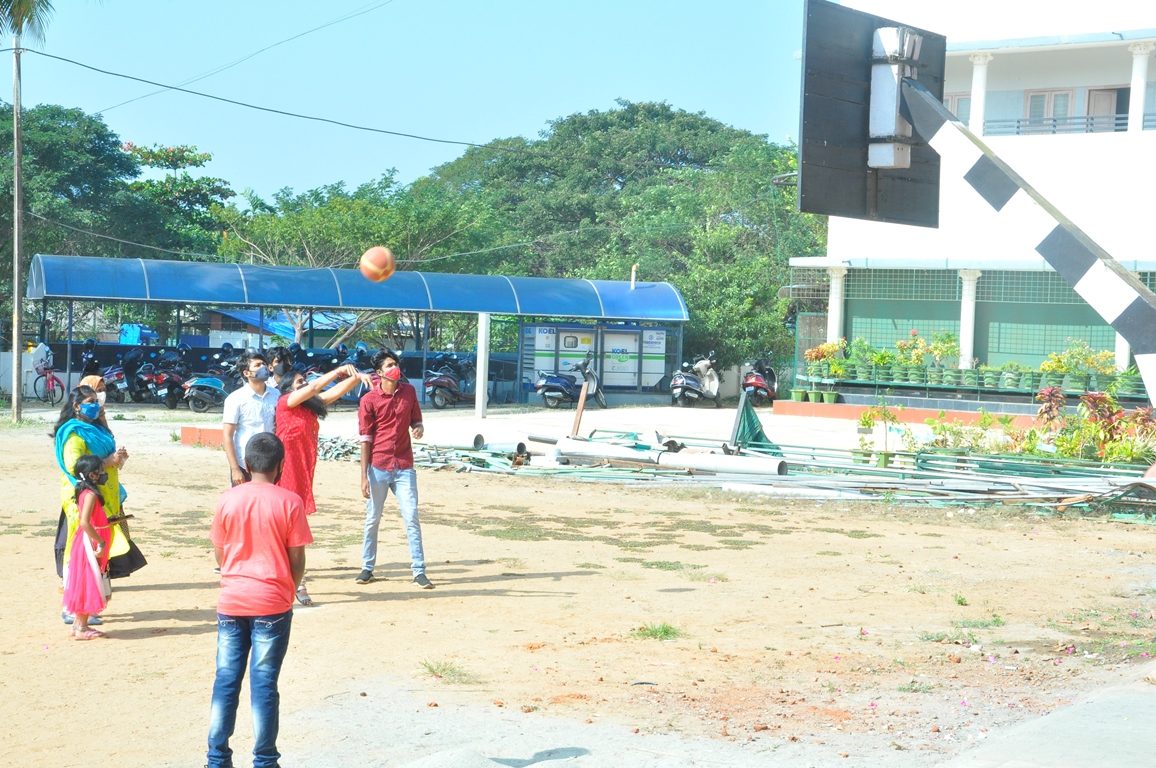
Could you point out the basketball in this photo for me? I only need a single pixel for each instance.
(377, 263)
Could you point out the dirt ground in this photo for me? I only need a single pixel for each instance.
(860, 627)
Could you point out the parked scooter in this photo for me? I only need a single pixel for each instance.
(207, 391)
(761, 384)
(558, 388)
(696, 382)
(444, 386)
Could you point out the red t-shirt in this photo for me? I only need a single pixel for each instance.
(256, 524)
(384, 420)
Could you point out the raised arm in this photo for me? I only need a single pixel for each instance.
(343, 387)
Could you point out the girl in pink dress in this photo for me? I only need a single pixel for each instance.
(302, 405)
(86, 590)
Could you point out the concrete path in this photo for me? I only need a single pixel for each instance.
(1107, 728)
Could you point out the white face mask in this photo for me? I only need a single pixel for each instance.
(100, 398)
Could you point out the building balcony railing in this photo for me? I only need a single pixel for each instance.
(1150, 121)
(1028, 126)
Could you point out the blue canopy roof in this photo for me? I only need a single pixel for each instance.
(91, 278)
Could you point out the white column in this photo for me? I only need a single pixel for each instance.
(967, 317)
(482, 382)
(835, 303)
(979, 62)
(1123, 353)
(1140, 55)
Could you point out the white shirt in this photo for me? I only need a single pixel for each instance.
(252, 413)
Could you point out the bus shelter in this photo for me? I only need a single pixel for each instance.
(535, 301)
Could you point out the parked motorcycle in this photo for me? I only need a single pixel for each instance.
(696, 382)
(760, 383)
(558, 388)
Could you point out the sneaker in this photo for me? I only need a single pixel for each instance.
(365, 576)
(422, 582)
(69, 619)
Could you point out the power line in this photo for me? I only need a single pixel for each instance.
(351, 15)
(370, 129)
(523, 244)
(212, 256)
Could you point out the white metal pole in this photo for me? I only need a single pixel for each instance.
(17, 233)
(482, 382)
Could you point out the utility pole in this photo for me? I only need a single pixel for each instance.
(17, 233)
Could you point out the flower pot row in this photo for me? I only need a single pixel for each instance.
(1026, 381)
(814, 396)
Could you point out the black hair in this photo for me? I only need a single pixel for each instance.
(264, 452)
(68, 410)
(247, 356)
(279, 354)
(381, 355)
(86, 465)
(315, 403)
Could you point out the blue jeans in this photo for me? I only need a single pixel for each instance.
(403, 483)
(268, 639)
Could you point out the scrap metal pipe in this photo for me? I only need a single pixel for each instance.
(703, 462)
(728, 465)
(518, 449)
(598, 450)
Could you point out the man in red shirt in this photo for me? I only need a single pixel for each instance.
(259, 534)
(387, 416)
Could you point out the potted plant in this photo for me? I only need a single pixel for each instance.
(1078, 361)
(882, 412)
(859, 353)
(837, 370)
(944, 348)
(990, 376)
(1011, 375)
(866, 424)
(830, 396)
(798, 395)
(819, 358)
(970, 376)
(1129, 382)
(882, 359)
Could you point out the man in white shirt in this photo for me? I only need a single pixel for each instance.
(249, 410)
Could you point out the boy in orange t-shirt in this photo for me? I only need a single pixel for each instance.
(259, 533)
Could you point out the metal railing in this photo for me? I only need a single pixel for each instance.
(1045, 125)
(1150, 121)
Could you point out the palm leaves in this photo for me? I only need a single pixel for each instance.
(25, 18)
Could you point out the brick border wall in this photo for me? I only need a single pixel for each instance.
(906, 416)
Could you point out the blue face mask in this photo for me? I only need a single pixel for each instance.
(90, 411)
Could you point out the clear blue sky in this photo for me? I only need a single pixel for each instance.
(459, 69)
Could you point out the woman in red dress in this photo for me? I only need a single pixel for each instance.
(302, 405)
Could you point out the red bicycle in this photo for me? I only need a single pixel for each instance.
(48, 387)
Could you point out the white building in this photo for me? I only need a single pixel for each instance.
(1074, 115)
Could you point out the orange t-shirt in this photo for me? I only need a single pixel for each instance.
(255, 524)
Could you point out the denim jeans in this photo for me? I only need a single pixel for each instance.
(268, 639)
(403, 483)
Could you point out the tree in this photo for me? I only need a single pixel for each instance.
(331, 227)
(684, 196)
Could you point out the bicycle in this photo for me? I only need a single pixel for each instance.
(48, 387)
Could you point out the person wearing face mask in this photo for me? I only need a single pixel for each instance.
(78, 433)
(386, 418)
(96, 383)
(302, 405)
(249, 410)
(280, 363)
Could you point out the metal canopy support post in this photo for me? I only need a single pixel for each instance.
(68, 353)
(178, 322)
(482, 385)
(311, 344)
(424, 351)
(260, 328)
